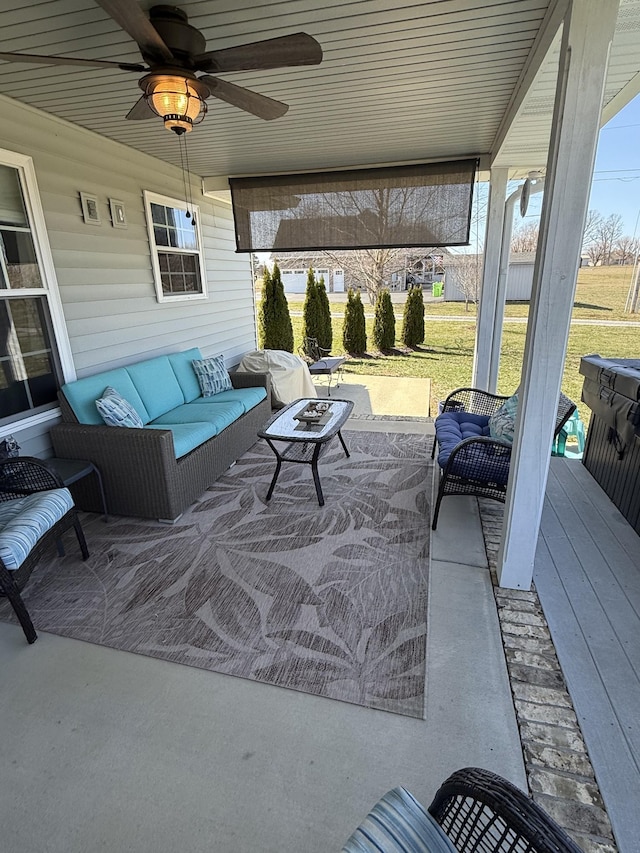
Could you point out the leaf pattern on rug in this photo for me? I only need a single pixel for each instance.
(328, 600)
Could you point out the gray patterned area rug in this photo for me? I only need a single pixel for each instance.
(327, 600)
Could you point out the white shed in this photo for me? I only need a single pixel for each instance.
(519, 279)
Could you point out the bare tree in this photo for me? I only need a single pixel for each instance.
(467, 275)
(609, 233)
(525, 238)
(626, 249)
(591, 228)
(370, 268)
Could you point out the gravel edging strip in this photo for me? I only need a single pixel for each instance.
(559, 771)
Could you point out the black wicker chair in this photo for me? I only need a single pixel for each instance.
(19, 477)
(484, 813)
(479, 466)
(474, 811)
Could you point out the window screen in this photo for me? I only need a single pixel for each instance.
(420, 205)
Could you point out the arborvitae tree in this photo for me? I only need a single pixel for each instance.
(413, 318)
(311, 320)
(274, 322)
(325, 337)
(384, 324)
(354, 333)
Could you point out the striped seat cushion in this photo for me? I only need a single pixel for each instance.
(398, 824)
(24, 521)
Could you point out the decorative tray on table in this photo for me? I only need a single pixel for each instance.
(314, 412)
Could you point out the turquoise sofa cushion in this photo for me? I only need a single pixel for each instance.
(220, 415)
(186, 436)
(157, 385)
(185, 374)
(24, 521)
(247, 397)
(83, 393)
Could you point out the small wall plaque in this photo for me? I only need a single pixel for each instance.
(90, 211)
(118, 213)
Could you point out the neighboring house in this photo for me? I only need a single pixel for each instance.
(89, 283)
(406, 269)
(294, 271)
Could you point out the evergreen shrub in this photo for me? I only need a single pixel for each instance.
(274, 321)
(354, 332)
(413, 318)
(384, 324)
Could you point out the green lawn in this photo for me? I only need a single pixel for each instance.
(447, 354)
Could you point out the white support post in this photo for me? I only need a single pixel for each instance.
(586, 40)
(487, 306)
(503, 274)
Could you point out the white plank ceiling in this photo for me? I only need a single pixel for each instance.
(401, 80)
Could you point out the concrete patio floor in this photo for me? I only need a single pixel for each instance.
(114, 751)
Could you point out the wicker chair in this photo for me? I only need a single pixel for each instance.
(474, 811)
(478, 465)
(319, 362)
(27, 484)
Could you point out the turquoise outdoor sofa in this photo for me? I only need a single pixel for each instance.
(186, 443)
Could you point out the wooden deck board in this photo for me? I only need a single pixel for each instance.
(587, 574)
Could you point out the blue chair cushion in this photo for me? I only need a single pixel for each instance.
(23, 522)
(398, 824)
(454, 427)
(483, 463)
(247, 397)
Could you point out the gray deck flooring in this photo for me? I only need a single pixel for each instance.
(587, 574)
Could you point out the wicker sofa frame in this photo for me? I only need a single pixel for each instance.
(140, 472)
(24, 476)
(481, 812)
(474, 450)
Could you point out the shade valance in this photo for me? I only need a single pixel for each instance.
(427, 204)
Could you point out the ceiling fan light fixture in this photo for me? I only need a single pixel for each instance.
(179, 101)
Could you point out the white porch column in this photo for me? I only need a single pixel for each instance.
(588, 30)
(488, 293)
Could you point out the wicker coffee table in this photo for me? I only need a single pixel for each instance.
(305, 441)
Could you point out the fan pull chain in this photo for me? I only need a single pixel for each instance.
(186, 155)
(186, 178)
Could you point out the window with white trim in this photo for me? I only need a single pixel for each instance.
(31, 368)
(176, 249)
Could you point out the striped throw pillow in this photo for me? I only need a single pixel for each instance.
(212, 375)
(116, 411)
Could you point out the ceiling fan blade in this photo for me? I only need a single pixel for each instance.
(296, 49)
(38, 59)
(128, 15)
(140, 111)
(245, 99)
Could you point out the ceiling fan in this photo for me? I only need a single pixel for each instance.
(174, 53)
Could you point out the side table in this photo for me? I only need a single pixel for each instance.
(71, 470)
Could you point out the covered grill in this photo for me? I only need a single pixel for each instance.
(611, 389)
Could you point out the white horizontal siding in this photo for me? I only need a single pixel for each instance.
(104, 274)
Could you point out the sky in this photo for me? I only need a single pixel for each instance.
(616, 180)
